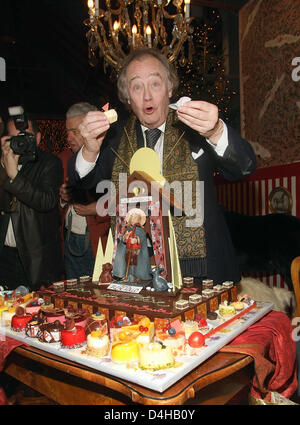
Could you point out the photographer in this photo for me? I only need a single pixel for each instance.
(30, 251)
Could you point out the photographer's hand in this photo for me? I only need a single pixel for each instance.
(85, 210)
(65, 192)
(9, 160)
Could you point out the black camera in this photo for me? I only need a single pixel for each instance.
(24, 144)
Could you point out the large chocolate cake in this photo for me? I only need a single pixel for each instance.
(160, 307)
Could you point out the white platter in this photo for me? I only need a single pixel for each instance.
(159, 380)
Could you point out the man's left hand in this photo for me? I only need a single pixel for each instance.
(202, 117)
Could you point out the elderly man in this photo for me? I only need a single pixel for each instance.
(82, 226)
(29, 224)
(203, 145)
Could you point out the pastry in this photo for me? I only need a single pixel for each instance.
(207, 284)
(125, 352)
(188, 282)
(97, 344)
(7, 315)
(72, 336)
(155, 356)
(190, 326)
(53, 314)
(228, 284)
(181, 304)
(111, 115)
(207, 293)
(195, 298)
(226, 309)
(20, 319)
(59, 286)
(172, 339)
(238, 305)
(33, 326)
(212, 316)
(50, 332)
(34, 306)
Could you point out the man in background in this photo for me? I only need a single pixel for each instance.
(82, 227)
(30, 252)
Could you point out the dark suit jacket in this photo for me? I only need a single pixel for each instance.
(36, 218)
(99, 226)
(237, 162)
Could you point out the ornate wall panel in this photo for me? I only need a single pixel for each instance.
(269, 41)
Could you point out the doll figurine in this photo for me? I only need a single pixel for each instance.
(132, 261)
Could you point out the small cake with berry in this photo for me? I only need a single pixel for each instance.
(47, 306)
(50, 332)
(143, 331)
(116, 324)
(20, 319)
(96, 322)
(203, 326)
(172, 336)
(34, 306)
(72, 336)
(97, 344)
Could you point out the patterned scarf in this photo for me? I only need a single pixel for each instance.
(179, 165)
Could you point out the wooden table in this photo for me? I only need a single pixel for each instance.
(222, 379)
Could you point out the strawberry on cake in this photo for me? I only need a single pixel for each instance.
(20, 319)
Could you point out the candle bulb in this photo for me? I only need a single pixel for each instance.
(187, 8)
(116, 30)
(90, 6)
(97, 7)
(148, 32)
(134, 32)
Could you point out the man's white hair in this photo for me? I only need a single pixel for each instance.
(81, 108)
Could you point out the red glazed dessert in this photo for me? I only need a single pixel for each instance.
(20, 319)
(73, 336)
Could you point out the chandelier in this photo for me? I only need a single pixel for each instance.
(125, 25)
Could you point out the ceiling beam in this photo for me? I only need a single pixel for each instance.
(218, 4)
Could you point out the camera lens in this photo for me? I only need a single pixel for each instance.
(19, 144)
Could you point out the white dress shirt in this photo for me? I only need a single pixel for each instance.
(83, 167)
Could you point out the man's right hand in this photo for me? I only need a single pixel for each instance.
(93, 129)
(9, 158)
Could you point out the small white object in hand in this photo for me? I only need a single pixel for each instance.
(179, 102)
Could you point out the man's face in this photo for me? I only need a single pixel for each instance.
(12, 131)
(74, 136)
(147, 86)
